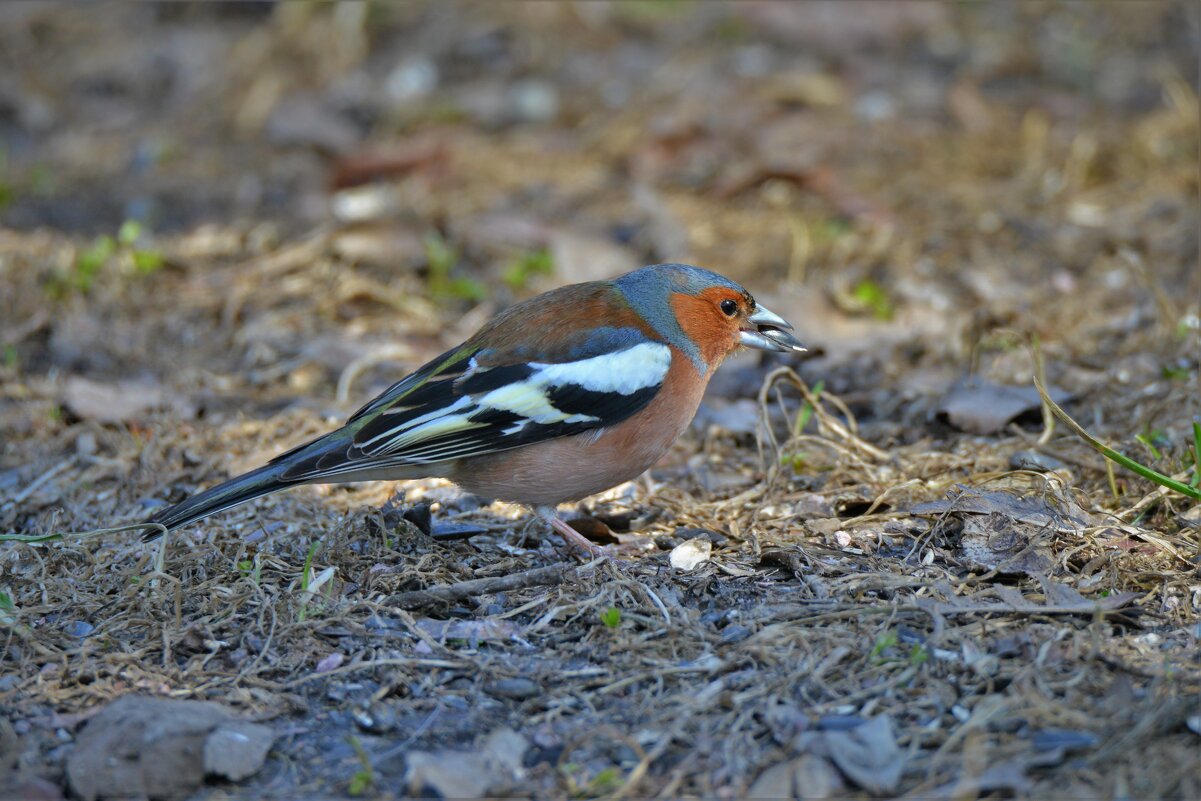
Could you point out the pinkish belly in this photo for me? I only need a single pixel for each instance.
(568, 469)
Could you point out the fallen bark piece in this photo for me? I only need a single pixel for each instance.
(161, 748)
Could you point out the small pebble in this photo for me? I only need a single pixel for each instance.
(420, 516)
(85, 444)
(665, 542)
(376, 718)
(79, 628)
(701, 533)
(379, 623)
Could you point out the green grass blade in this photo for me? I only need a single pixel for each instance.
(1111, 454)
(1196, 454)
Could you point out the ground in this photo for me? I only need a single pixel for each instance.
(225, 226)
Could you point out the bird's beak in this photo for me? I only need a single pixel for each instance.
(771, 333)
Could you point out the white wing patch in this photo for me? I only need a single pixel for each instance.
(624, 372)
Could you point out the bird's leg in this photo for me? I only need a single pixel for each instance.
(573, 537)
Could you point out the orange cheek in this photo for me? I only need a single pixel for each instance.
(714, 334)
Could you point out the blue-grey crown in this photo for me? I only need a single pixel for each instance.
(679, 278)
(647, 291)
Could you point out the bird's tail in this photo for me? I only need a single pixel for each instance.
(239, 490)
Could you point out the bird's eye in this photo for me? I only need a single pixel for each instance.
(729, 307)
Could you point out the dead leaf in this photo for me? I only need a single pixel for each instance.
(997, 542)
(868, 755)
(1058, 599)
(466, 774)
(1065, 515)
(159, 747)
(121, 401)
(807, 776)
(979, 406)
(425, 151)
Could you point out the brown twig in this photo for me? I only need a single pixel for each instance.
(537, 577)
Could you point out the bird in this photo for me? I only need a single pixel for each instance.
(554, 399)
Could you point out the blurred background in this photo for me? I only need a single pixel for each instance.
(910, 176)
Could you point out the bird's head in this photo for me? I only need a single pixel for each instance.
(706, 315)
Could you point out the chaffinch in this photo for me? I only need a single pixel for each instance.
(556, 398)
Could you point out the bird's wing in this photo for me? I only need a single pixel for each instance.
(474, 400)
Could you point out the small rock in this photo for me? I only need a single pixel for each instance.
(330, 662)
(85, 444)
(159, 747)
(811, 505)
(79, 628)
(420, 516)
(534, 100)
(377, 718)
(411, 79)
(701, 533)
(237, 749)
(691, 554)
